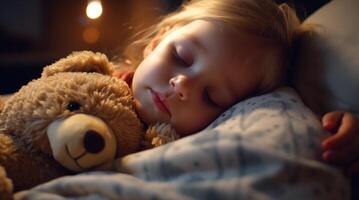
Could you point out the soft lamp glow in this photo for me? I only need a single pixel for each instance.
(91, 35)
(94, 9)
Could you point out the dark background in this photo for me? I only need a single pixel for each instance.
(35, 33)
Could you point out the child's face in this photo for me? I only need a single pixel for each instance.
(195, 73)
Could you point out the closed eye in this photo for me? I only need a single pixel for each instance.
(208, 99)
(181, 56)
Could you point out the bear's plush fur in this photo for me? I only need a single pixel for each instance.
(75, 117)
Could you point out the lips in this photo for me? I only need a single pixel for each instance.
(158, 99)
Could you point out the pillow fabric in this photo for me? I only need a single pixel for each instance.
(326, 69)
(265, 147)
(277, 121)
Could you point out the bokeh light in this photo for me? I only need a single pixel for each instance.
(94, 9)
(91, 35)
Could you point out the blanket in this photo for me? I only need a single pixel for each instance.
(263, 148)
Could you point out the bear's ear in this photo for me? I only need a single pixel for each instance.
(1, 104)
(80, 61)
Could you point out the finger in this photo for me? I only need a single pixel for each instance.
(349, 122)
(344, 155)
(326, 156)
(331, 121)
(335, 157)
(338, 157)
(347, 131)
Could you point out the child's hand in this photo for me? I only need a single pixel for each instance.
(343, 146)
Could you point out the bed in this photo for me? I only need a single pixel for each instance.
(266, 147)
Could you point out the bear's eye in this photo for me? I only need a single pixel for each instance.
(72, 106)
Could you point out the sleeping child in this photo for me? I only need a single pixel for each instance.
(199, 61)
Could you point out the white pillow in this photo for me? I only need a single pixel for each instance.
(326, 72)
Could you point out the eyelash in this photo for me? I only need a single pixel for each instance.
(179, 59)
(207, 98)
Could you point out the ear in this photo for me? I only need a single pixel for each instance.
(155, 41)
(81, 61)
(2, 103)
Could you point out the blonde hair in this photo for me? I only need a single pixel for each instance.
(277, 24)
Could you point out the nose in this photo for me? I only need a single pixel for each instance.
(93, 142)
(180, 86)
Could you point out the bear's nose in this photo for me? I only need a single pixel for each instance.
(93, 142)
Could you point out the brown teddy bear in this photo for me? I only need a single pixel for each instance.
(74, 118)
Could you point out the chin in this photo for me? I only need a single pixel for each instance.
(145, 117)
(150, 117)
(185, 131)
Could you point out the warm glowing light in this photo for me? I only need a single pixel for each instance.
(91, 35)
(94, 9)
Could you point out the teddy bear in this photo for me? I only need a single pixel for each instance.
(75, 117)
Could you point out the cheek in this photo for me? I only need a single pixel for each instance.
(196, 119)
(152, 69)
